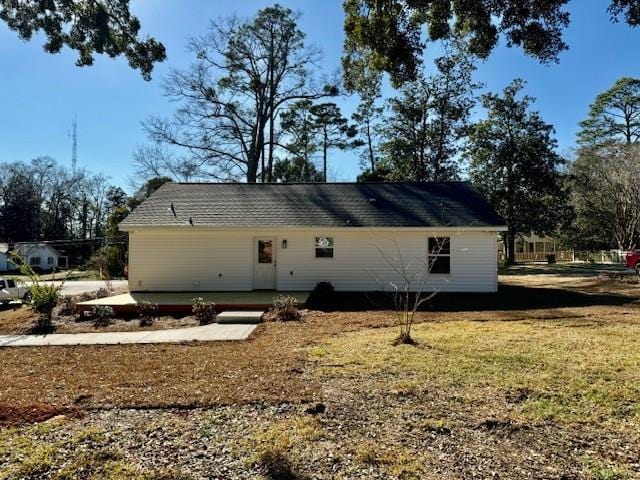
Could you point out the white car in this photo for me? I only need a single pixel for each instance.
(11, 290)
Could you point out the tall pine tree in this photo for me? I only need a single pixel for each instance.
(512, 161)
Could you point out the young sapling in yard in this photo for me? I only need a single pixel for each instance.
(409, 279)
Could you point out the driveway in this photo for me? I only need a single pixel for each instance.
(77, 287)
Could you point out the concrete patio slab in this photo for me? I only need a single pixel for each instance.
(182, 301)
(206, 333)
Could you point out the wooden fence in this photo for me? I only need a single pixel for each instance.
(605, 256)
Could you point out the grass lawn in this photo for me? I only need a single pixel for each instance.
(539, 381)
(534, 371)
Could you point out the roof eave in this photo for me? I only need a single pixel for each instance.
(130, 227)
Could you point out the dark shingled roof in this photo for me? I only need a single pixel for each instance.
(406, 204)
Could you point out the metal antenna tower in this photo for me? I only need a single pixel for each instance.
(74, 142)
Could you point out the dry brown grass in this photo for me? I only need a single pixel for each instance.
(270, 366)
(561, 370)
(531, 383)
(267, 367)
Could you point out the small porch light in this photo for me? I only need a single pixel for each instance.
(284, 244)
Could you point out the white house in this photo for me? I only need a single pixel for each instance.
(40, 255)
(533, 243)
(242, 237)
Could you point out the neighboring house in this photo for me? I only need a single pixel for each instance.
(40, 255)
(241, 237)
(535, 248)
(533, 243)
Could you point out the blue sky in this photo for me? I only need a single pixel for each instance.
(41, 93)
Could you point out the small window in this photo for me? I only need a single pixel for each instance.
(49, 260)
(324, 247)
(440, 255)
(11, 283)
(34, 260)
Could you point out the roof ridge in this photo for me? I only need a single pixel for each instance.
(407, 182)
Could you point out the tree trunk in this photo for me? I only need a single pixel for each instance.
(510, 246)
(262, 172)
(85, 213)
(271, 135)
(256, 153)
(372, 159)
(272, 94)
(324, 154)
(252, 172)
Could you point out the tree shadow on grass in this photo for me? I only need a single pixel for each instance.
(509, 297)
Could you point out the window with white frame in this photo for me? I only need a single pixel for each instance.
(439, 255)
(49, 260)
(324, 247)
(34, 260)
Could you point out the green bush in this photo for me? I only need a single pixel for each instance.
(147, 312)
(205, 312)
(102, 315)
(285, 308)
(44, 298)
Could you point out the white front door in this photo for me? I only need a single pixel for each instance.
(264, 264)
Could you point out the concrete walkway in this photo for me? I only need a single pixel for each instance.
(77, 287)
(206, 333)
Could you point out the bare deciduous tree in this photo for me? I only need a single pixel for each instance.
(407, 282)
(606, 192)
(156, 160)
(245, 71)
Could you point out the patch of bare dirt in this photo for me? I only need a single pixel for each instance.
(13, 415)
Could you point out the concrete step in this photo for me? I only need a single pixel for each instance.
(237, 316)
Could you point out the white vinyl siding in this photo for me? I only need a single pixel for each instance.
(210, 260)
(190, 261)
